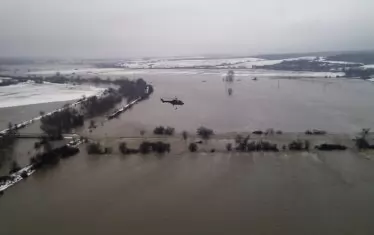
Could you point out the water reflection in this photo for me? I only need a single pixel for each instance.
(229, 91)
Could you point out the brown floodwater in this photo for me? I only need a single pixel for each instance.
(221, 193)
(195, 194)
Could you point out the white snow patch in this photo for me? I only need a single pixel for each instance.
(29, 93)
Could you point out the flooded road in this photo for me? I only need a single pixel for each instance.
(196, 194)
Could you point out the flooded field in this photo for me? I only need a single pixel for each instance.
(204, 193)
(285, 103)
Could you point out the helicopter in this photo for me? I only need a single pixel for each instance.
(173, 102)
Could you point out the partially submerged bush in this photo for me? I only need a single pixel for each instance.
(159, 130)
(204, 132)
(361, 141)
(68, 151)
(331, 147)
(53, 157)
(261, 146)
(241, 143)
(125, 150)
(193, 147)
(169, 130)
(158, 147)
(145, 147)
(315, 132)
(229, 147)
(299, 145)
(257, 132)
(296, 145)
(94, 148)
(24, 174)
(123, 147)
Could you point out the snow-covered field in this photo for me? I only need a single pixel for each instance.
(30, 93)
(78, 71)
(369, 66)
(190, 63)
(234, 63)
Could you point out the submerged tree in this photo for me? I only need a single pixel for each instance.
(361, 140)
(185, 135)
(204, 132)
(193, 147)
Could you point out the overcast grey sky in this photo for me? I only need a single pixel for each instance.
(132, 28)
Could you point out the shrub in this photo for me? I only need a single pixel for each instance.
(242, 144)
(169, 130)
(296, 145)
(267, 146)
(204, 132)
(361, 142)
(67, 151)
(159, 130)
(24, 174)
(319, 132)
(315, 132)
(145, 147)
(94, 148)
(261, 146)
(160, 147)
(331, 147)
(125, 150)
(193, 147)
(257, 132)
(308, 132)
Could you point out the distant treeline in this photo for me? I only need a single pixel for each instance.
(359, 72)
(15, 61)
(308, 65)
(358, 57)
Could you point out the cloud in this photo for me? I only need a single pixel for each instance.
(132, 28)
